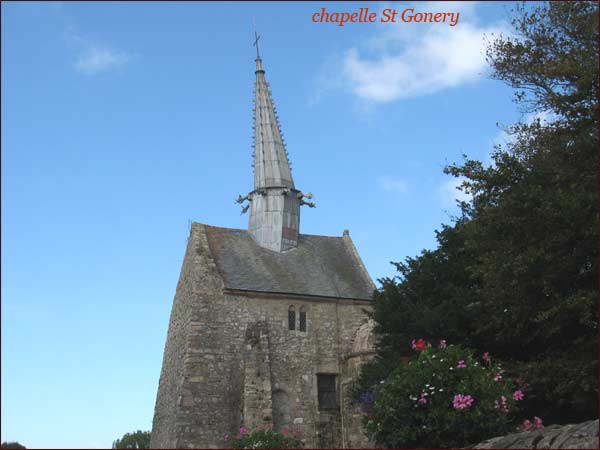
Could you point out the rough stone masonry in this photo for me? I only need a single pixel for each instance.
(268, 326)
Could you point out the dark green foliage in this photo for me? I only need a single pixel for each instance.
(12, 445)
(265, 439)
(517, 274)
(138, 439)
(415, 407)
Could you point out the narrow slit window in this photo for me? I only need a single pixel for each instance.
(302, 324)
(326, 391)
(291, 318)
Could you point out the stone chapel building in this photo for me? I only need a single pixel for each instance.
(268, 326)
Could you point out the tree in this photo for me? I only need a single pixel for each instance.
(13, 444)
(517, 273)
(137, 439)
(533, 221)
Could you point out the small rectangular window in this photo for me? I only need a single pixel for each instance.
(326, 391)
(291, 319)
(302, 324)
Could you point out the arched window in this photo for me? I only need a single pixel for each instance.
(291, 318)
(302, 324)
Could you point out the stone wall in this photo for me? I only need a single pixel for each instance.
(169, 393)
(582, 435)
(297, 357)
(257, 396)
(231, 361)
(352, 415)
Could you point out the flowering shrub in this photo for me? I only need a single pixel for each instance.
(265, 439)
(528, 425)
(443, 397)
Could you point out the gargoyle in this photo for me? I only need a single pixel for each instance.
(241, 200)
(302, 196)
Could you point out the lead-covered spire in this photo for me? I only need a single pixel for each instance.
(274, 203)
(271, 164)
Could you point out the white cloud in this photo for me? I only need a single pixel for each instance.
(407, 60)
(450, 193)
(393, 185)
(94, 58)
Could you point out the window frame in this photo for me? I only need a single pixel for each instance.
(291, 318)
(302, 320)
(327, 399)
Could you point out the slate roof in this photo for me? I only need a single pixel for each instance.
(320, 265)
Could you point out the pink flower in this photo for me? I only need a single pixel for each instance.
(243, 430)
(420, 344)
(462, 401)
(422, 400)
(527, 425)
(461, 364)
(443, 343)
(225, 437)
(486, 357)
(518, 395)
(285, 432)
(498, 377)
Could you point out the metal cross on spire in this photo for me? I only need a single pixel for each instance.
(257, 37)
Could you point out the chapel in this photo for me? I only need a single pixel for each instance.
(269, 326)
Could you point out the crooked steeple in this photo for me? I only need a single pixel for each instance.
(274, 204)
(271, 164)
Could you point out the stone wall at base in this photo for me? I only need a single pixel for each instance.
(583, 435)
(197, 278)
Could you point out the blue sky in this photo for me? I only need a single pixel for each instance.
(121, 122)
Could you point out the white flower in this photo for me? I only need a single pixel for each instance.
(451, 368)
(440, 390)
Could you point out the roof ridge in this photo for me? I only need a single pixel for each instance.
(246, 231)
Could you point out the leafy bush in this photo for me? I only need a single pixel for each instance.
(442, 398)
(138, 439)
(266, 439)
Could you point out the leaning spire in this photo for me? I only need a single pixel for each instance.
(271, 164)
(274, 203)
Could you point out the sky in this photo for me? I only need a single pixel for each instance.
(123, 122)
